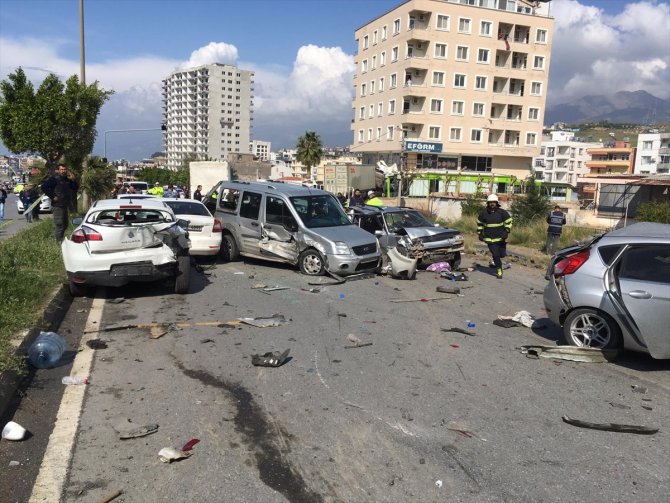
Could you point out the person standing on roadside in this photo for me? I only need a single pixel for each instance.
(26, 197)
(197, 195)
(494, 225)
(357, 199)
(373, 200)
(62, 190)
(3, 199)
(556, 221)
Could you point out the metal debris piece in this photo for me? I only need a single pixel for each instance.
(448, 289)
(619, 405)
(141, 431)
(458, 330)
(170, 454)
(264, 321)
(570, 353)
(638, 389)
(270, 359)
(619, 428)
(274, 288)
(426, 299)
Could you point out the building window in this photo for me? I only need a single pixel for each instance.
(379, 134)
(366, 41)
(372, 87)
(381, 84)
(442, 22)
(478, 109)
(455, 134)
(457, 107)
(436, 106)
(441, 51)
(361, 113)
(394, 81)
(536, 88)
(475, 135)
(459, 80)
(480, 83)
(541, 36)
(485, 28)
(374, 37)
(364, 66)
(538, 62)
(647, 145)
(531, 138)
(394, 54)
(462, 53)
(370, 134)
(382, 59)
(396, 26)
(363, 89)
(384, 32)
(374, 63)
(438, 78)
(533, 114)
(371, 111)
(434, 132)
(389, 132)
(391, 107)
(464, 25)
(483, 56)
(380, 109)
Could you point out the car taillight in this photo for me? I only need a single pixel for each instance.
(570, 264)
(217, 226)
(86, 234)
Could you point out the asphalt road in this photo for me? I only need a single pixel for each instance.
(13, 222)
(351, 424)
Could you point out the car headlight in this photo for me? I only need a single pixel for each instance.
(342, 248)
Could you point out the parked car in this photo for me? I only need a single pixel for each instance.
(140, 187)
(614, 291)
(45, 205)
(414, 235)
(293, 224)
(203, 229)
(120, 241)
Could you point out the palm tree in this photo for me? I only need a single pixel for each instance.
(309, 149)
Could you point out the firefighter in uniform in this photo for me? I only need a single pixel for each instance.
(494, 225)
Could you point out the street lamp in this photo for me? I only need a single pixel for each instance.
(162, 128)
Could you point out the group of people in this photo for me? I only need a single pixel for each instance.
(357, 199)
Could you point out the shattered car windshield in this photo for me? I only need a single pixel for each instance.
(319, 211)
(400, 219)
(129, 217)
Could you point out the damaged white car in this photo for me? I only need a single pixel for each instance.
(294, 224)
(119, 241)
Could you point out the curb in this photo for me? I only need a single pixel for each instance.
(50, 321)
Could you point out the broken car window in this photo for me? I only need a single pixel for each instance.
(276, 212)
(320, 211)
(409, 218)
(251, 205)
(229, 199)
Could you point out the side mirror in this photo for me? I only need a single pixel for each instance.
(379, 233)
(77, 221)
(183, 223)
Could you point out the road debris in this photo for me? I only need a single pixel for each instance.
(570, 353)
(463, 430)
(448, 289)
(206, 340)
(356, 342)
(638, 389)
(619, 405)
(618, 428)
(170, 454)
(13, 431)
(439, 267)
(96, 344)
(118, 300)
(311, 290)
(111, 496)
(141, 431)
(264, 321)
(523, 317)
(438, 483)
(14, 463)
(454, 345)
(454, 276)
(458, 330)
(427, 299)
(157, 332)
(270, 359)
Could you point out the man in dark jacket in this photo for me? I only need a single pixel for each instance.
(62, 190)
(494, 225)
(556, 221)
(357, 199)
(26, 196)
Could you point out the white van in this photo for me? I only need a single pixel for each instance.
(294, 224)
(140, 187)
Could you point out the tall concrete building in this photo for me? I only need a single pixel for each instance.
(653, 153)
(454, 87)
(208, 113)
(261, 149)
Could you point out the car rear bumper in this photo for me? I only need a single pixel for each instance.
(204, 245)
(122, 274)
(553, 303)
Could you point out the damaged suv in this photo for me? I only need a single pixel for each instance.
(411, 233)
(124, 240)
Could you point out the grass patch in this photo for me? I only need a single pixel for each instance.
(31, 268)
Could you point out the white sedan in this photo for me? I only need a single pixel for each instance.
(45, 205)
(119, 241)
(203, 229)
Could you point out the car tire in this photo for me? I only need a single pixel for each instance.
(78, 290)
(312, 263)
(183, 279)
(586, 327)
(455, 262)
(229, 248)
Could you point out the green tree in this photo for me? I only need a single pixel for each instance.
(654, 211)
(531, 205)
(57, 121)
(98, 179)
(309, 149)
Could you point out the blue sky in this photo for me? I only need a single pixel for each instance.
(302, 53)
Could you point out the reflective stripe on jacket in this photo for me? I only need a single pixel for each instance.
(556, 221)
(494, 226)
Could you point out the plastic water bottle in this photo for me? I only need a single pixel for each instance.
(47, 350)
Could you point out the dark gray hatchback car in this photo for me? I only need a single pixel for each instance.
(614, 291)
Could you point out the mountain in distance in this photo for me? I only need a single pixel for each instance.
(636, 107)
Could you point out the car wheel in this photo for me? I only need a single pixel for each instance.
(312, 263)
(455, 263)
(183, 279)
(229, 248)
(591, 328)
(78, 290)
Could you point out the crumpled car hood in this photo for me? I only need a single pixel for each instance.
(433, 233)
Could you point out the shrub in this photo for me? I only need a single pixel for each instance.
(472, 205)
(654, 211)
(533, 205)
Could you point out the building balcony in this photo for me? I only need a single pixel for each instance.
(597, 164)
(417, 62)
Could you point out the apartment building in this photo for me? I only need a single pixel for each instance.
(454, 86)
(208, 113)
(653, 153)
(261, 149)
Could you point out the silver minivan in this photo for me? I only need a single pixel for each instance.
(293, 224)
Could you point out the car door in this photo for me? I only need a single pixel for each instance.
(278, 231)
(249, 221)
(644, 284)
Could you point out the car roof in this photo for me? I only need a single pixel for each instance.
(288, 189)
(375, 210)
(642, 230)
(105, 204)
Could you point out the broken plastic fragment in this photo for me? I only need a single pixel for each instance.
(270, 359)
(619, 428)
(13, 431)
(438, 483)
(141, 431)
(170, 454)
(265, 321)
(570, 353)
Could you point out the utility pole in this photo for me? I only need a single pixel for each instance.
(82, 52)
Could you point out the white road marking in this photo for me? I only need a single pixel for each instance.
(53, 470)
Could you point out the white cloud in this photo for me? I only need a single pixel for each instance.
(214, 52)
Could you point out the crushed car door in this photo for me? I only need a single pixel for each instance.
(250, 226)
(278, 232)
(644, 283)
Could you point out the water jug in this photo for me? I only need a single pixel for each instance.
(47, 350)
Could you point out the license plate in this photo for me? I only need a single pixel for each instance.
(125, 270)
